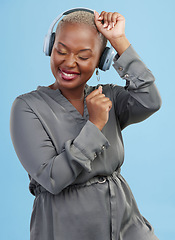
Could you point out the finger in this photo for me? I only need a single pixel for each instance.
(109, 19)
(98, 20)
(96, 14)
(105, 19)
(98, 97)
(101, 100)
(101, 16)
(94, 93)
(116, 17)
(107, 105)
(100, 89)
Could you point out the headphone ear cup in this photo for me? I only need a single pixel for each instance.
(106, 59)
(51, 43)
(103, 58)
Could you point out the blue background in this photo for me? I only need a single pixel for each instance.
(149, 146)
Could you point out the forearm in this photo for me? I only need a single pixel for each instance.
(132, 69)
(37, 153)
(120, 44)
(140, 97)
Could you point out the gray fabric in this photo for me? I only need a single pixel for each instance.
(65, 155)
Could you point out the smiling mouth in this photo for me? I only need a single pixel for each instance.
(68, 75)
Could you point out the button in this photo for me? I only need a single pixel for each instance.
(95, 155)
(103, 147)
(120, 69)
(126, 75)
(102, 180)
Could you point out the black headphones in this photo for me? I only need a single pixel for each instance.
(107, 55)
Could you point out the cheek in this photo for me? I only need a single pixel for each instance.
(52, 65)
(89, 66)
(53, 59)
(54, 62)
(87, 70)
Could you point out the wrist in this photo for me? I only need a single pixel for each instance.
(120, 44)
(99, 126)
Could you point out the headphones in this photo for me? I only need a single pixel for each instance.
(107, 55)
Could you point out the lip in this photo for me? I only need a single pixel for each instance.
(68, 75)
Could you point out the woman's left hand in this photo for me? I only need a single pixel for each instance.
(112, 26)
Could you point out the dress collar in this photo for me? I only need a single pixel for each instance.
(59, 98)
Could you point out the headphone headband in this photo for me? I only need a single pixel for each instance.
(66, 13)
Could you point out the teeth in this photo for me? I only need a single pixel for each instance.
(68, 75)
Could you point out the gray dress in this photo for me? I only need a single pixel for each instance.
(74, 168)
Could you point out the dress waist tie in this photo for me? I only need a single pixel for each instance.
(111, 179)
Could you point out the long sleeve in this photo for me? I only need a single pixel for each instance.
(140, 97)
(38, 155)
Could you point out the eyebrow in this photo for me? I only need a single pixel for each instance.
(82, 50)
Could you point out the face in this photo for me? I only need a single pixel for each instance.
(75, 55)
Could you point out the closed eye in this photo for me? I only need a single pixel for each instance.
(83, 58)
(62, 53)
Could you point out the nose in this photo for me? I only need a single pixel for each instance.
(70, 60)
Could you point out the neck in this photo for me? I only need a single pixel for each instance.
(76, 94)
(76, 99)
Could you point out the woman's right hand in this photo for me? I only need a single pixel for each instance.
(98, 107)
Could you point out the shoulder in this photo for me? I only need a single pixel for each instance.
(32, 96)
(25, 102)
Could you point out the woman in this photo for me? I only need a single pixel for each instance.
(68, 135)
